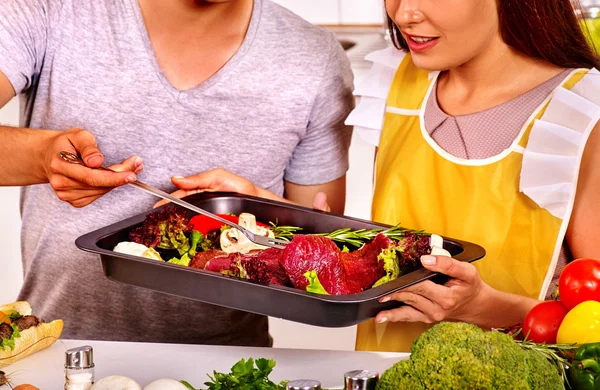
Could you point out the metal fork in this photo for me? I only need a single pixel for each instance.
(255, 238)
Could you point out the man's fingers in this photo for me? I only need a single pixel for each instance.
(320, 202)
(85, 144)
(133, 164)
(204, 180)
(448, 266)
(93, 177)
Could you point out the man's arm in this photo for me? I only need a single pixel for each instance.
(304, 195)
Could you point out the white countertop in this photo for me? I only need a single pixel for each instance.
(146, 362)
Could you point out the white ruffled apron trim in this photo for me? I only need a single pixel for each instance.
(556, 143)
(373, 89)
(552, 158)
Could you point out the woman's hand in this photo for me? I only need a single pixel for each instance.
(430, 302)
(79, 185)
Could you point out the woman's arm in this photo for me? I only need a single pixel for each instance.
(584, 227)
(464, 298)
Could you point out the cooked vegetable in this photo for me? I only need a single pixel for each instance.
(456, 355)
(585, 371)
(581, 325)
(579, 282)
(543, 321)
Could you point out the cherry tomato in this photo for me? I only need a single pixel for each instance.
(581, 325)
(579, 282)
(543, 321)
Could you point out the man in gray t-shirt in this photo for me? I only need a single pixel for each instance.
(252, 89)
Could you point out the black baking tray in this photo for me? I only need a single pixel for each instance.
(277, 301)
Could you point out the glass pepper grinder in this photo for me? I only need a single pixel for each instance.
(79, 368)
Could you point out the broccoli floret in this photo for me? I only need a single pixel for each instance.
(541, 374)
(456, 355)
(400, 376)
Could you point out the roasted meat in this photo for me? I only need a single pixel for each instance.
(5, 331)
(264, 266)
(27, 322)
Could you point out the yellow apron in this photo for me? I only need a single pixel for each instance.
(421, 186)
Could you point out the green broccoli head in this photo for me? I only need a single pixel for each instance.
(400, 376)
(456, 355)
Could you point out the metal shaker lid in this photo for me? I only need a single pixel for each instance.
(360, 380)
(303, 384)
(80, 357)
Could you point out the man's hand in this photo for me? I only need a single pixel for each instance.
(81, 185)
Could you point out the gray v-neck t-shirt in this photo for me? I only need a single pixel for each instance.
(274, 112)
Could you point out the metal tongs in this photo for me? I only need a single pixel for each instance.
(255, 238)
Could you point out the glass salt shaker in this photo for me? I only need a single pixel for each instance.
(79, 368)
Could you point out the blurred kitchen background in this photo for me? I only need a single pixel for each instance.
(359, 26)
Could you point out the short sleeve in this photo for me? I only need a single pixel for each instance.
(322, 154)
(23, 36)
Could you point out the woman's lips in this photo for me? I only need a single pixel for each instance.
(419, 44)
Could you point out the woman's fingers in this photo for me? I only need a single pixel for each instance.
(448, 266)
(440, 296)
(402, 314)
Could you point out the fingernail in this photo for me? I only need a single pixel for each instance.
(130, 178)
(139, 169)
(94, 158)
(428, 260)
(177, 177)
(382, 320)
(138, 161)
(384, 299)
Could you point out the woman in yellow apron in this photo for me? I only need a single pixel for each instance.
(519, 202)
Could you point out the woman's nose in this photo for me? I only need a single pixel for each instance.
(408, 13)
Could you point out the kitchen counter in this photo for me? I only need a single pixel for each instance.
(146, 362)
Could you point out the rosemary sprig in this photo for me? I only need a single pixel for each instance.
(347, 236)
(358, 237)
(284, 232)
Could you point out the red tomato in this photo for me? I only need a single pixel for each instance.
(543, 321)
(204, 224)
(579, 282)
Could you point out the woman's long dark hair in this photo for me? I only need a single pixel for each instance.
(544, 29)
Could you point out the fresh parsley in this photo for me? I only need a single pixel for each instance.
(245, 375)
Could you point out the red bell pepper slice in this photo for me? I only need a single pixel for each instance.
(205, 224)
